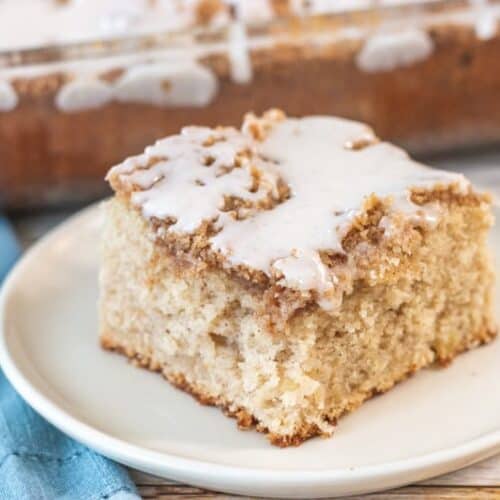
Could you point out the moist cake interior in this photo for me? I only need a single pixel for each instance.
(291, 331)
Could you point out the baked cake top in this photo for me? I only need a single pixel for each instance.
(281, 192)
(66, 21)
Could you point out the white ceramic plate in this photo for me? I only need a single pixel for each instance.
(439, 420)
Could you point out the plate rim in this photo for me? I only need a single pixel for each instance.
(205, 473)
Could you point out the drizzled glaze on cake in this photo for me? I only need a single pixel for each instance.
(279, 191)
(197, 172)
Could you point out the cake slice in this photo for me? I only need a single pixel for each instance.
(290, 270)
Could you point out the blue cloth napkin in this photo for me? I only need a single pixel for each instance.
(36, 460)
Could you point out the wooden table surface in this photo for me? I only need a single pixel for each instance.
(479, 481)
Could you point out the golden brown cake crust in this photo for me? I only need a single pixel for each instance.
(245, 420)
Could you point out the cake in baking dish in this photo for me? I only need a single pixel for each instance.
(421, 72)
(290, 270)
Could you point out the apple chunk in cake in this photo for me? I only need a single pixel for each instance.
(288, 271)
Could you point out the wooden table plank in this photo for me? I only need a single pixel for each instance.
(422, 492)
(479, 481)
(485, 473)
(408, 493)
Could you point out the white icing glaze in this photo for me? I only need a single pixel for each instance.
(336, 182)
(83, 94)
(161, 83)
(303, 270)
(329, 182)
(486, 21)
(203, 187)
(387, 51)
(168, 84)
(8, 97)
(239, 55)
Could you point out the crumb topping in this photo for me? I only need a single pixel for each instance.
(281, 193)
(201, 175)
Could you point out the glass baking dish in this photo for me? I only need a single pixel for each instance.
(424, 74)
